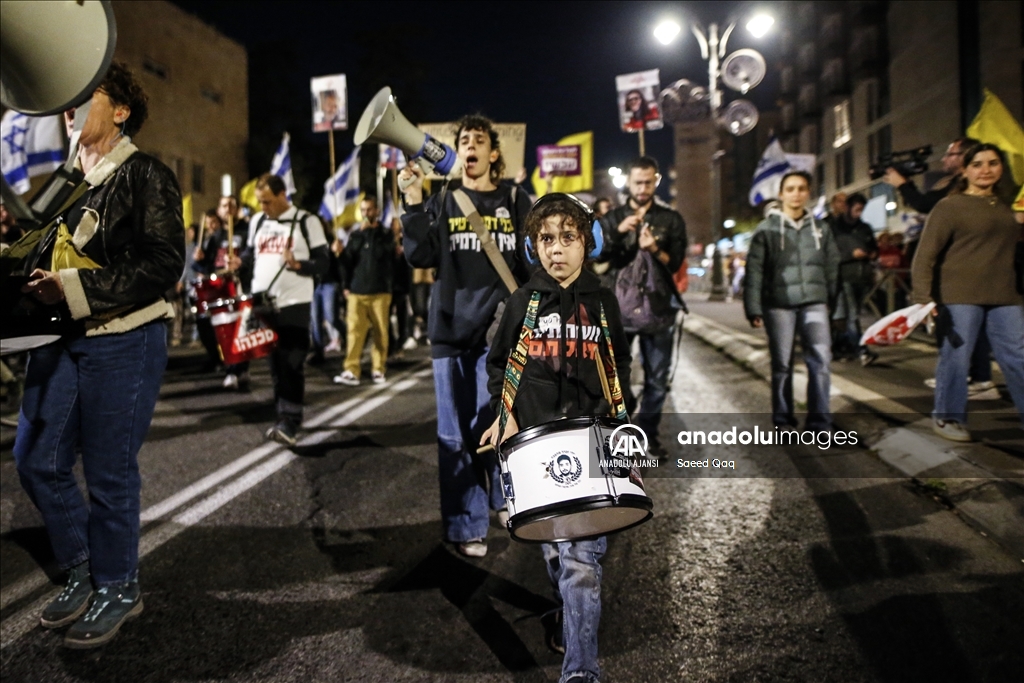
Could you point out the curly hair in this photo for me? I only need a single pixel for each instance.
(485, 125)
(572, 215)
(124, 90)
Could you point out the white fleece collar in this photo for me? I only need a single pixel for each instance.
(102, 171)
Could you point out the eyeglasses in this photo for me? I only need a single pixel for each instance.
(567, 238)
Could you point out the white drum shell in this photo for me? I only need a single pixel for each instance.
(590, 504)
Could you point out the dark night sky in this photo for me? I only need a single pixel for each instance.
(550, 65)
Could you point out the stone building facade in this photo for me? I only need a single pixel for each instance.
(197, 82)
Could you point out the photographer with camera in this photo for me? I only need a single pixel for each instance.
(952, 166)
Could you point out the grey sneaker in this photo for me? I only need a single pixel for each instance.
(111, 607)
(72, 601)
(951, 429)
(476, 547)
(284, 432)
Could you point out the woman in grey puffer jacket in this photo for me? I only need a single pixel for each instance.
(792, 276)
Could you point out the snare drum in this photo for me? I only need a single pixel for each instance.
(241, 334)
(212, 292)
(559, 486)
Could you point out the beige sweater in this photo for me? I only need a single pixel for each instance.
(966, 253)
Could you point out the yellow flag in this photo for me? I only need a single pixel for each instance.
(186, 210)
(995, 124)
(350, 215)
(1018, 203)
(247, 195)
(583, 181)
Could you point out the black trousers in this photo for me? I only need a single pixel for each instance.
(287, 360)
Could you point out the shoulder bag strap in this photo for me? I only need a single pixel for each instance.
(486, 241)
(516, 362)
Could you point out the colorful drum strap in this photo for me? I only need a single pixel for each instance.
(518, 357)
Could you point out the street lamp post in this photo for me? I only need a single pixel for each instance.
(746, 71)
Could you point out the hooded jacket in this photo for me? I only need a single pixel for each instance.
(790, 264)
(467, 290)
(560, 378)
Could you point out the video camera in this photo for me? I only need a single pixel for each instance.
(907, 163)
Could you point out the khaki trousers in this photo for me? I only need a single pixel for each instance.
(367, 312)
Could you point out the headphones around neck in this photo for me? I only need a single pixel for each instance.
(595, 225)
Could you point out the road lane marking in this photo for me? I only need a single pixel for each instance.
(17, 625)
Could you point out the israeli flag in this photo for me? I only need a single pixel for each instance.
(29, 146)
(281, 166)
(768, 176)
(342, 189)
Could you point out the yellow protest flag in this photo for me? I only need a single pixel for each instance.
(350, 215)
(995, 124)
(578, 183)
(186, 210)
(247, 195)
(1018, 203)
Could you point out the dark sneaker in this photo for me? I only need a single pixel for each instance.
(111, 607)
(867, 357)
(72, 601)
(283, 432)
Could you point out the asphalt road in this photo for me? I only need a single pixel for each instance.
(324, 563)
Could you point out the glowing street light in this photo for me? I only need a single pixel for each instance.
(619, 182)
(890, 206)
(729, 224)
(759, 25)
(667, 31)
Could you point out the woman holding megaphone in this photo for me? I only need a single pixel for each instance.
(106, 260)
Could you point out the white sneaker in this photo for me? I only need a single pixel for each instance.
(952, 430)
(474, 548)
(409, 344)
(378, 378)
(347, 378)
(930, 382)
(333, 347)
(231, 382)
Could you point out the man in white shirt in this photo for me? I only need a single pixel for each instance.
(287, 249)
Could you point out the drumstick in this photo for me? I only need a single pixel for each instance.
(604, 380)
(484, 449)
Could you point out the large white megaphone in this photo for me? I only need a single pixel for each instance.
(53, 55)
(382, 122)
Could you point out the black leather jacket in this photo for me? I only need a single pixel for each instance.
(132, 228)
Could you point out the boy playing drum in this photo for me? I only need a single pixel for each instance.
(574, 321)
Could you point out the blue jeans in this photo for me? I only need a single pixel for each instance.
(1004, 326)
(469, 482)
(851, 297)
(656, 358)
(96, 396)
(575, 571)
(321, 311)
(782, 325)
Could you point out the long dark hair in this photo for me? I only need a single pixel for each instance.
(1003, 188)
(641, 113)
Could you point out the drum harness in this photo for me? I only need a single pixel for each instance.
(518, 357)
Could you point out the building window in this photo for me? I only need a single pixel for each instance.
(841, 115)
(211, 95)
(151, 66)
(819, 177)
(198, 179)
(844, 167)
(879, 144)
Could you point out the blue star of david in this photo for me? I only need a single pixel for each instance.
(15, 132)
